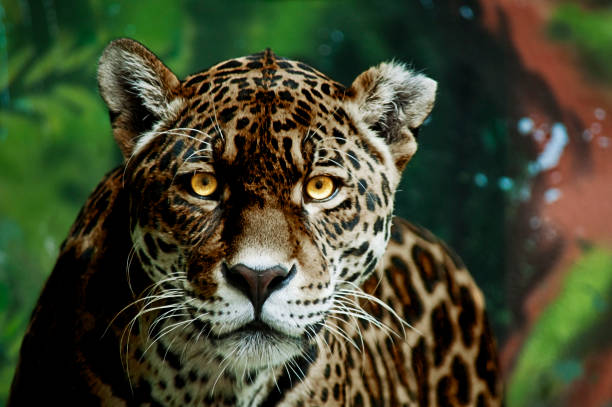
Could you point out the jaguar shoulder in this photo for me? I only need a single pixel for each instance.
(245, 252)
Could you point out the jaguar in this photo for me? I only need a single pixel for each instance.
(245, 252)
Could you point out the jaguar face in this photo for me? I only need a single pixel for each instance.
(261, 194)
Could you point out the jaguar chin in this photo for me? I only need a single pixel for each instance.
(256, 346)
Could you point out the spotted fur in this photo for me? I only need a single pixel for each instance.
(141, 308)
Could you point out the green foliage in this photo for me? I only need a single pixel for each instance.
(590, 32)
(550, 358)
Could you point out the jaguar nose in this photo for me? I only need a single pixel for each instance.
(257, 285)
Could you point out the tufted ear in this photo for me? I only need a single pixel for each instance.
(393, 102)
(138, 89)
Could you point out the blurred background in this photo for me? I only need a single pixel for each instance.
(514, 167)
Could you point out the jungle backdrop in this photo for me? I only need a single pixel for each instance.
(514, 167)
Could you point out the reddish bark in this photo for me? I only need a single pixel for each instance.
(583, 213)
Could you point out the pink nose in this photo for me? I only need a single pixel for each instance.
(257, 285)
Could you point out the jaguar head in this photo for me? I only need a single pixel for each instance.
(261, 193)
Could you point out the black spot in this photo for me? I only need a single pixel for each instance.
(396, 233)
(185, 122)
(443, 332)
(340, 138)
(150, 243)
(370, 204)
(443, 392)
(242, 123)
(350, 279)
(336, 391)
(143, 258)
(305, 67)
(220, 94)
(325, 89)
(306, 93)
(337, 228)
(338, 116)
(460, 373)
(451, 285)
(189, 153)
(327, 371)
(194, 80)
(289, 125)
(265, 96)
(399, 276)
(169, 356)
(467, 316)
(378, 225)
(362, 186)
(230, 64)
(203, 89)
(177, 148)
(358, 400)
(360, 251)
(304, 120)
(227, 114)
(385, 190)
(324, 394)
(179, 382)
(285, 95)
(427, 266)
(290, 83)
(307, 107)
(486, 361)
(244, 94)
(239, 141)
(350, 225)
(254, 65)
(353, 158)
(421, 371)
(166, 247)
(287, 143)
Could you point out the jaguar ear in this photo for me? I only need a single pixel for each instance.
(138, 89)
(393, 102)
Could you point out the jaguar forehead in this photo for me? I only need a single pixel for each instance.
(263, 107)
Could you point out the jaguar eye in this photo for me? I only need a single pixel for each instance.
(320, 187)
(204, 184)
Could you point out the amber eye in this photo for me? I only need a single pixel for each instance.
(320, 187)
(204, 184)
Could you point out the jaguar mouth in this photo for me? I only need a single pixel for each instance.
(257, 329)
(256, 345)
